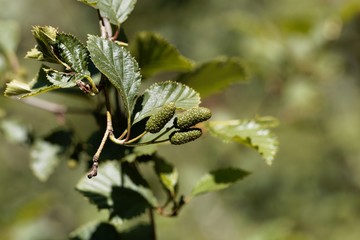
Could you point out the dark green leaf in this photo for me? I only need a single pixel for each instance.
(252, 133)
(131, 170)
(61, 137)
(214, 76)
(140, 231)
(218, 180)
(137, 152)
(127, 203)
(155, 55)
(95, 231)
(159, 94)
(72, 52)
(167, 174)
(99, 200)
(118, 66)
(100, 188)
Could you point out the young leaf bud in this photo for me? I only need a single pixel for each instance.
(157, 121)
(184, 136)
(191, 117)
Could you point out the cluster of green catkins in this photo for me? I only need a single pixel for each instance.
(183, 121)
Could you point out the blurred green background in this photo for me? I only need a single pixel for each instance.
(304, 59)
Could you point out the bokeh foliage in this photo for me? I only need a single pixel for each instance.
(304, 61)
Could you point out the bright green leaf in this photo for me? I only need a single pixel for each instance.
(118, 66)
(159, 94)
(72, 52)
(38, 85)
(249, 132)
(35, 53)
(117, 11)
(44, 158)
(218, 180)
(17, 88)
(155, 55)
(9, 37)
(167, 174)
(214, 76)
(46, 40)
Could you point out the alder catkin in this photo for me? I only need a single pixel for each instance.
(184, 136)
(158, 120)
(191, 117)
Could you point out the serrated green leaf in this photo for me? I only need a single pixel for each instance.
(72, 52)
(38, 85)
(116, 63)
(95, 230)
(159, 94)
(155, 55)
(9, 37)
(44, 158)
(127, 203)
(60, 79)
(218, 180)
(46, 39)
(35, 53)
(249, 132)
(117, 11)
(167, 174)
(99, 189)
(214, 76)
(16, 88)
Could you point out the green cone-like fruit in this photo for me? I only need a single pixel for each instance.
(157, 121)
(185, 136)
(191, 117)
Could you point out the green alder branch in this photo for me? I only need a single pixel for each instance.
(153, 141)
